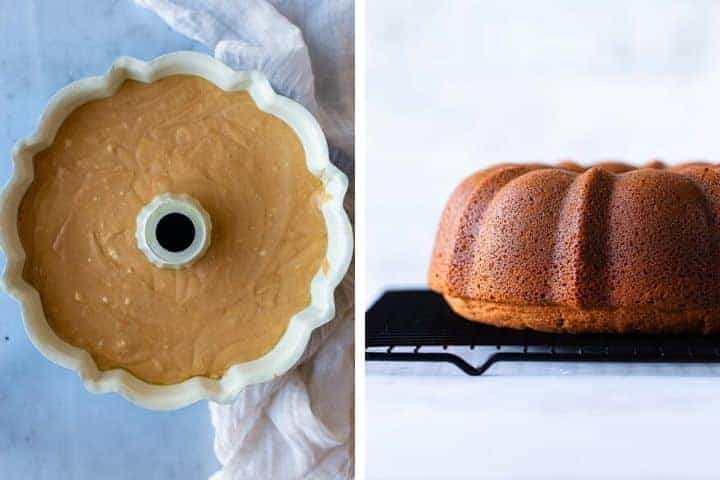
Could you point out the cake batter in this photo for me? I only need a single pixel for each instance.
(110, 157)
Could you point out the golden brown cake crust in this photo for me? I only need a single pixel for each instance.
(607, 248)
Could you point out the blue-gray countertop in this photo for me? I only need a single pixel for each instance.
(50, 426)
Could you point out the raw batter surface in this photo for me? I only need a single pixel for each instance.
(180, 134)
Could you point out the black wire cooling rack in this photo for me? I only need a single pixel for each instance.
(421, 319)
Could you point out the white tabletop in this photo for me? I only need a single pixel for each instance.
(588, 424)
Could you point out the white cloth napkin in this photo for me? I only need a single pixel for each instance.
(298, 426)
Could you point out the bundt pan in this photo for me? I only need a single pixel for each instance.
(605, 249)
(295, 338)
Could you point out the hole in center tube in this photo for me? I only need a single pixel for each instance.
(175, 232)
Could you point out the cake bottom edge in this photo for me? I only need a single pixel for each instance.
(564, 319)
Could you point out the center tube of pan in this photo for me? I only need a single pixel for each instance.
(173, 231)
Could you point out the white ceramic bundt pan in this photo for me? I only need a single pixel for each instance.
(292, 344)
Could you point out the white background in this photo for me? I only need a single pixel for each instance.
(455, 86)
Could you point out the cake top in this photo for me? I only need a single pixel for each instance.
(611, 166)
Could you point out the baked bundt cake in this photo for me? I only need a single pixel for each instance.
(610, 248)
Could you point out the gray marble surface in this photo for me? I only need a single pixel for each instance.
(50, 427)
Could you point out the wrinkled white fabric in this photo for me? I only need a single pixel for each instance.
(298, 426)
(257, 35)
